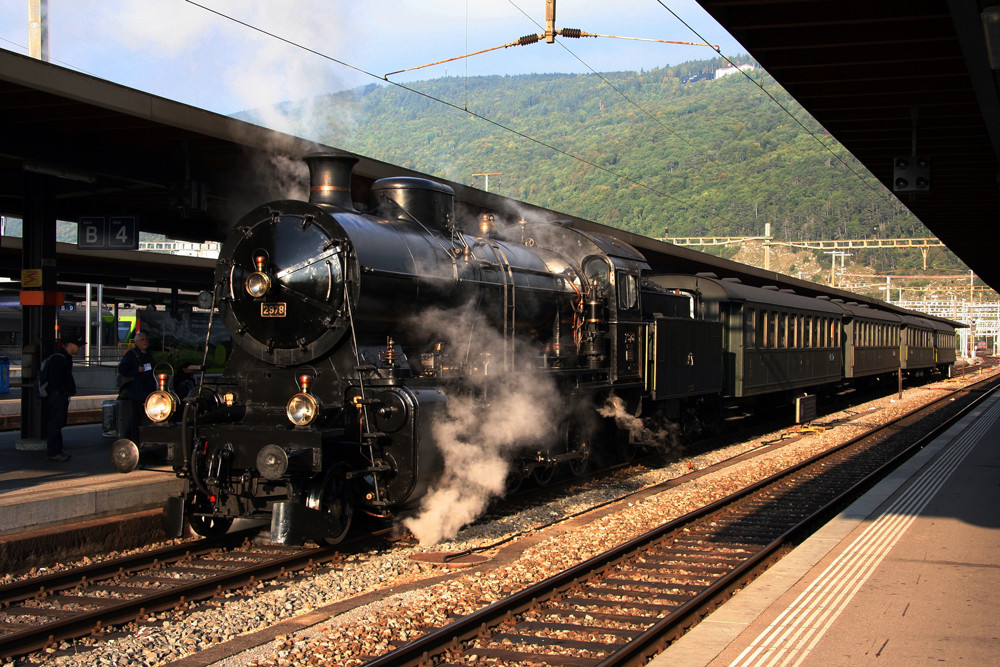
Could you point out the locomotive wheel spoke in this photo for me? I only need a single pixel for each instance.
(543, 474)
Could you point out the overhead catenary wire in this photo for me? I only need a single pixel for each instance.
(616, 174)
(620, 92)
(861, 177)
(507, 128)
(526, 40)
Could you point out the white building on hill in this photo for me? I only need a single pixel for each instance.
(726, 71)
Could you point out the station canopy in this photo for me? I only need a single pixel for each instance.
(898, 81)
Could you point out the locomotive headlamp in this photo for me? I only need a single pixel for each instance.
(303, 407)
(258, 283)
(162, 403)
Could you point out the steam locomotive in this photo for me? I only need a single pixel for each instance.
(397, 360)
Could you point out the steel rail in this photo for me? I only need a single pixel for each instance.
(449, 637)
(38, 637)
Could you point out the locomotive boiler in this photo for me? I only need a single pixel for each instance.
(355, 335)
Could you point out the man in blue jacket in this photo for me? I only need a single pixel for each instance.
(136, 367)
(61, 386)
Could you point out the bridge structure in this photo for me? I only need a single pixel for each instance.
(983, 318)
(832, 246)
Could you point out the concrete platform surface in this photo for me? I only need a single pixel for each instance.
(908, 575)
(38, 493)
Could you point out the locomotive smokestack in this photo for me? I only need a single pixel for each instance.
(330, 178)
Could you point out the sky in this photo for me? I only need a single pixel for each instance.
(185, 52)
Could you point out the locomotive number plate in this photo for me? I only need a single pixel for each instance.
(273, 309)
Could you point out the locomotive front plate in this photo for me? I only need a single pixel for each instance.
(273, 309)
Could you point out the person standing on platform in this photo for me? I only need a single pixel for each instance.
(137, 381)
(184, 380)
(61, 387)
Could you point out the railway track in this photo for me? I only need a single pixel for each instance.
(622, 606)
(39, 612)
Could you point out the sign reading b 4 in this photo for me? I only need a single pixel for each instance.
(112, 233)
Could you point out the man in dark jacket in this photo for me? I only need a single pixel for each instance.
(136, 367)
(61, 386)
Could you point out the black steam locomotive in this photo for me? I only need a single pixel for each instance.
(397, 362)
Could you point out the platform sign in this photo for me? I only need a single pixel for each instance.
(31, 278)
(112, 233)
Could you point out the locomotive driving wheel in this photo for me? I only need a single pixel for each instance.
(579, 448)
(578, 465)
(543, 473)
(334, 496)
(513, 480)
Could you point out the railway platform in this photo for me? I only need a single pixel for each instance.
(38, 494)
(907, 575)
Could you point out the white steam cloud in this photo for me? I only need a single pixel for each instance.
(280, 82)
(664, 438)
(481, 430)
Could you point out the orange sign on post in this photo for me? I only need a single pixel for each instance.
(42, 298)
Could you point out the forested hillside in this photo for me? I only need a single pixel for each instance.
(642, 151)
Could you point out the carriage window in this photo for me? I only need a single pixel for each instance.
(783, 330)
(750, 328)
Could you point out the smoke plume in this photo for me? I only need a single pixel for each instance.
(481, 430)
(664, 438)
